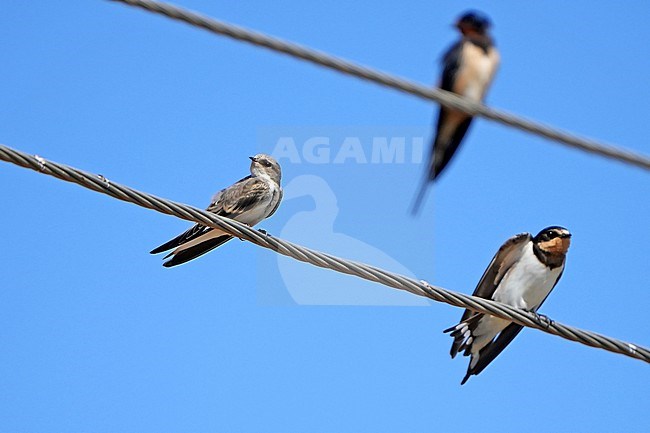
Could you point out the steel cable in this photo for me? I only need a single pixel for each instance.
(101, 184)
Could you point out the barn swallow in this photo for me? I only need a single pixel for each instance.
(249, 201)
(468, 69)
(522, 274)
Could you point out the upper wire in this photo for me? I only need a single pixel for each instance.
(443, 97)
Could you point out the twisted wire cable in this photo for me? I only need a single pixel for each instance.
(103, 185)
(441, 96)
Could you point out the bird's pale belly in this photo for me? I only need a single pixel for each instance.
(527, 284)
(255, 215)
(261, 210)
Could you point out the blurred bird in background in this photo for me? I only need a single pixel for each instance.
(468, 69)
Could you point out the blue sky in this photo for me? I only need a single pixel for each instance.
(98, 336)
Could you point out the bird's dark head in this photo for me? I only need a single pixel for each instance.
(265, 165)
(472, 23)
(553, 240)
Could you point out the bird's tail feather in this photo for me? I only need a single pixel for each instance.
(418, 198)
(197, 250)
(462, 335)
(422, 191)
(173, 243)
(186, 236)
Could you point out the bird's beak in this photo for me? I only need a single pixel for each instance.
(252, 158)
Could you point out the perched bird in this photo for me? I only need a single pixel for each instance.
(248, 201)
(522, 274)
(468, 69)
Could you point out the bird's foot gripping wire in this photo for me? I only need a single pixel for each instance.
(545, 321)
(266, 234)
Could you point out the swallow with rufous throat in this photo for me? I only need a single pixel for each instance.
(469, 67)
(249, 201)
(522, 274)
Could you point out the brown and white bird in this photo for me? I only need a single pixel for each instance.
(468, 69)
(249, 201)
(522, 274)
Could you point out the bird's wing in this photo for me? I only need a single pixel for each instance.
(494, 349)
(508, 254)
(450, 66)
(240, 197)
(227, 196)
(451, 129)
(452, 125)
